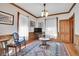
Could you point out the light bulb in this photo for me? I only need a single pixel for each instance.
(46, 13)
(42, 13)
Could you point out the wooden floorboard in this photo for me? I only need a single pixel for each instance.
(71, 49)
(69, 46)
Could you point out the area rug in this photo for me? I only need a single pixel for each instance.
(54, 49)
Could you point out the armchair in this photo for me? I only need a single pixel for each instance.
(18, 41)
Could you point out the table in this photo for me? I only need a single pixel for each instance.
(4, 39)
(44, 42)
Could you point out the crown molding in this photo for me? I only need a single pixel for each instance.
(48, 15)
(23, 9)
(62, 12)
(55, 14)
(72, 7)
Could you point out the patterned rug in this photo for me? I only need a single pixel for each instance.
(54, 49)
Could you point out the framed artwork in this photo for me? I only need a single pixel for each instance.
(32, 24)
(40, 24)
(6, 18)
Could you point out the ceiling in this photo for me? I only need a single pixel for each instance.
(52, 8)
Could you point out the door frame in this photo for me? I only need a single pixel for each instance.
(72, 18)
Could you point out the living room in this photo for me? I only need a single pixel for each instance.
(58, 29)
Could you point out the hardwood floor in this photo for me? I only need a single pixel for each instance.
(70, 47)
(2, 51)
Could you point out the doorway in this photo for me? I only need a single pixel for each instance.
(66, 30)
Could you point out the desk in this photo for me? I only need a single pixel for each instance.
(4, 39)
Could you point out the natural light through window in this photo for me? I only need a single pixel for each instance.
(51, 29)
(23, 26)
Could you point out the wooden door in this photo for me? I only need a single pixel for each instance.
(64, 30)
(71, 22)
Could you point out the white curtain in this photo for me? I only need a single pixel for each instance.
(23, 26)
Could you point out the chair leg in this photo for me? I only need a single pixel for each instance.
(19, 48)
(25, 44)
(16, 51)
(8, 50)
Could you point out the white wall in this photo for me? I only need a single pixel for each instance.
(8, 8)
(60, 17)
(31, 29)
(75, 11)
(52, 23)
(51, 28)
(6, 29)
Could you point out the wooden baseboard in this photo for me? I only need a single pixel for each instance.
(32, 37)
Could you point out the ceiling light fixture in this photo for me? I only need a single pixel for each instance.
(44, 12)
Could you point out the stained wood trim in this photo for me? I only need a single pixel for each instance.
(6, 13)
(72, 7)
(23, 9)
(48, 15)
(61, 12)
(18, 21)
(71, 19)
(57, 25)
(55, 14)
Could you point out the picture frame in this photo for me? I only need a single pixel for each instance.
(40, 24)
(32, 24)
(6, 18)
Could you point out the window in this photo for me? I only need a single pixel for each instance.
(23, 26)
(51, 28)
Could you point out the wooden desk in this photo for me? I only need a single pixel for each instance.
(4, 39)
